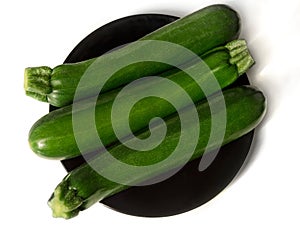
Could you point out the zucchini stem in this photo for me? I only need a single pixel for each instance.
(240, 55)
(37, 82)
(64, 202)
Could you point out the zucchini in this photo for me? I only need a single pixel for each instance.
(53, 137)
(82, 187)
(201, 31)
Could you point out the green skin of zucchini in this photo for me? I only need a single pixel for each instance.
(200, 31)
(53, 137)
(81, 188)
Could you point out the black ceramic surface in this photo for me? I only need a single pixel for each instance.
(187, 189)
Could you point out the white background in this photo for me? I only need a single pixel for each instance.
(37, 33)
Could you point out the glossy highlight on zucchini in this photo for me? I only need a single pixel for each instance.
(53, 137)
(199, 32)
(82, 187)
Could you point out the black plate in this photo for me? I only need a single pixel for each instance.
(187, 189)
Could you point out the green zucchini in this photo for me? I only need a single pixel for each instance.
(53, 137)
(82, 187)
(201, 31)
